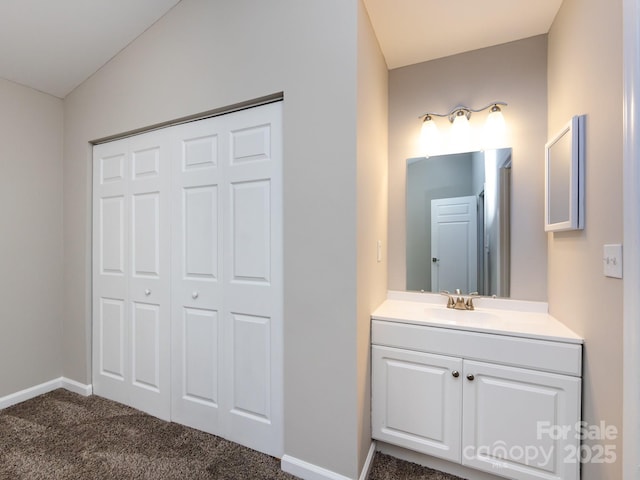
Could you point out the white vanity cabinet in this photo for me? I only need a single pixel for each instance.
(503, 404)
(417, 402)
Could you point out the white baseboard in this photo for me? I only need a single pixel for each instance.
(368, 462)
(46, 387)
(309, 471)
(76, 387)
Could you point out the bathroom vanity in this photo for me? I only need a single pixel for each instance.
(496, 389)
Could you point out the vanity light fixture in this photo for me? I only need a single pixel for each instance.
(462, 110)
(459, 117)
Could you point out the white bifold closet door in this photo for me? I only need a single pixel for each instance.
(188, 320)
(131, 272)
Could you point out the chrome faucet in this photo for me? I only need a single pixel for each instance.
(460, 302)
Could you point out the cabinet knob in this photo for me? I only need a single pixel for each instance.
(455, 374)
(195, 295)
(470, 377)
(147, 292)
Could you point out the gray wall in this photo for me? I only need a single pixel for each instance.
(585, 77)
(31, 237)
(207, 54)
(515, 73)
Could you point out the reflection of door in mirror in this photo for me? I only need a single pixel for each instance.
(454, 244)
(464, 259)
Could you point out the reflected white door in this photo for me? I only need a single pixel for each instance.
(454, 240)
(131, 272)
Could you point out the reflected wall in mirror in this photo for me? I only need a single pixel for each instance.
(458, 220)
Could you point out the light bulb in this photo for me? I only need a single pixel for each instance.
(461, 132)
(429, 136)
(495, 129)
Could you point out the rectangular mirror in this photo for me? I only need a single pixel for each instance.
(564, 178)
(458, 222)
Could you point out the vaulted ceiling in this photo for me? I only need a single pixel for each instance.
(414, 31)
(53, 46)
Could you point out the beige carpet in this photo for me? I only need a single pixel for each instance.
(62, 436)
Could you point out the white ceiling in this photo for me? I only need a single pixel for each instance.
(414, 31)
(54, 45)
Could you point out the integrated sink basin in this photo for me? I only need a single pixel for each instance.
(460, 317)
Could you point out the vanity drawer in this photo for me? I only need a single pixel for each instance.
(543, 355)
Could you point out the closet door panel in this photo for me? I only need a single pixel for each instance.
(110, 280)
(200, 233)
(196, 284)
(145, 342)
(250, 244)
(150, 273)
(111, 249)
(111, 334)
(252, 367)
(131, 272)
(200, 356)
(145, 219)
(251, 153)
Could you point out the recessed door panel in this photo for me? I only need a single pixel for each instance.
(112, 337)
(503, 439)
(427, 395)
(146, 229)
(201, 152)
(111, 235)
(200, 361)
(251, 144)
(201, 232)
(251, 231)
(145, 320)
(146, 163)
(112, 169)
(251, 366)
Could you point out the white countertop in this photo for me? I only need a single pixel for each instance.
(497, 316)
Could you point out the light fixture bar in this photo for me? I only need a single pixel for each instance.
(460, 110)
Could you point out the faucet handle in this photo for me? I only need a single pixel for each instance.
(450, 302)
(469, 302)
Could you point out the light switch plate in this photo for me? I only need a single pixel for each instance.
(612, 260)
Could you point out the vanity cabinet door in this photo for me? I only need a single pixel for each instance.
(520, 423)
(417, 401)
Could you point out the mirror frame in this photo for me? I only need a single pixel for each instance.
(574, 131)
